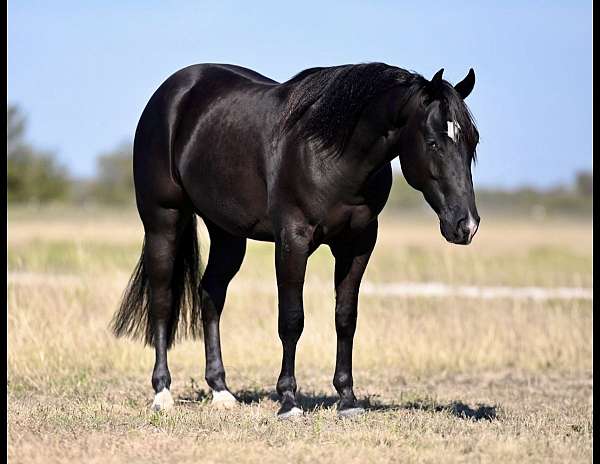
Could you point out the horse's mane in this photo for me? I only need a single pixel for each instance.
(458, 111)
(337, 96)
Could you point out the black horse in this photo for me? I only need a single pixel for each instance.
(300, 163)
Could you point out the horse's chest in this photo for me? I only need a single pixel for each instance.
(355, 214)
(343, 220)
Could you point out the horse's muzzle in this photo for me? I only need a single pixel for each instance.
(463, 231)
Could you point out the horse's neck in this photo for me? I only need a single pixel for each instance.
(376, 140)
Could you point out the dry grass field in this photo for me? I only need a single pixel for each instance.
(451, 379)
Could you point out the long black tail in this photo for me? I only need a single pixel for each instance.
(133, 319)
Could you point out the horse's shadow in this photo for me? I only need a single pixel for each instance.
(310, 402)
(456, 408)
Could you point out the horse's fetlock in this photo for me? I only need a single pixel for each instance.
(215, 377)
(342, 380)
(161, 380)
(286, 384)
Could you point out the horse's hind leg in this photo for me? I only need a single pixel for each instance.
(224, 260)
(292, 249)
(164, 229)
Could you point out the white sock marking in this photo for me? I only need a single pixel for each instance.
(163, 400)
(223, 397)
(223, 400)
(351, 412)
(294, 412)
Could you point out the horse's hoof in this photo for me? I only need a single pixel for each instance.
(223, 400)
(163, 401)
(351, 412)
(290, 414)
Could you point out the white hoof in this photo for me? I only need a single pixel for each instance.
(351, 412)
(163, 401)
(294, 412)
(223, 400)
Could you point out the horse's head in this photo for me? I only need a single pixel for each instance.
(439, 152)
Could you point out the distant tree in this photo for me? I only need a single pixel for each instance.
(114, 181)
(15, 128)
(31, 175)
(584, 183)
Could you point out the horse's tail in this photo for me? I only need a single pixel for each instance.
(133, 318)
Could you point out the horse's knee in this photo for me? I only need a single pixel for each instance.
(291, 324)
(345, 321)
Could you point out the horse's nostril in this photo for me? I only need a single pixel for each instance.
(466, 228)
(472, 226)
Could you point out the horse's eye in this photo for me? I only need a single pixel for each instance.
(433, 145)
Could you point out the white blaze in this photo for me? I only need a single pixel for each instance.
(453, 129)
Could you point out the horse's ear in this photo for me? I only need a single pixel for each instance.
(465, 86)
(437, 77)
(435, 84)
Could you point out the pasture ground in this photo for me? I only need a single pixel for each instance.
(445, 380)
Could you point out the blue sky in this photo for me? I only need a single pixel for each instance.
(83, 71)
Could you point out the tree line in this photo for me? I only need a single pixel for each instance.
(36, 176)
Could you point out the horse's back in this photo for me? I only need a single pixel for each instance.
(204, 126)
(206, 80)
(243, 72)
(216, 76)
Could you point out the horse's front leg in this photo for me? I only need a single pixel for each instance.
(291, 253)
(351, 258)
